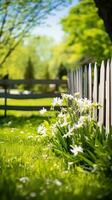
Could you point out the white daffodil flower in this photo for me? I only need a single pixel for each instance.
(57, 101)
(41, 129)
(70, 132)
(67, 96)
(43, 111)
(76, 149)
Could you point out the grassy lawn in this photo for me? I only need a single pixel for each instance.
(35, 102)
(29, 169)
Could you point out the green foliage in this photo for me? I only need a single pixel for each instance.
(17, 18)
(86, 40)
(39, 49)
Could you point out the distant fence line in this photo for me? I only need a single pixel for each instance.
(95, 83)
(8, 84)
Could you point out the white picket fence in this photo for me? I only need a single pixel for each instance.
(95, 83)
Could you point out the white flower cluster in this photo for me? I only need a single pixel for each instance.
(76, 114)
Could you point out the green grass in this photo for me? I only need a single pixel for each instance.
(29, 169)
(25, 154)
(35, 102)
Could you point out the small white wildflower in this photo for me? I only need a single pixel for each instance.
(57, 101)
(57, 182)
(67, 96)
(9, 123)
(69, 133)
(43, 111)
(33, 194)
(61, 115)
(84, 104)
(80, 102)
(78, 125)
(87, 104)
(76, 149)
(41, 129)
(24, 179)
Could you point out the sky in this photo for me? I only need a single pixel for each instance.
(52, 27)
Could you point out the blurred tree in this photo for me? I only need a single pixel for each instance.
(62, 71)
(86, 39)
(39, 49)
(58, 56)
(17, 17)
(29, 73)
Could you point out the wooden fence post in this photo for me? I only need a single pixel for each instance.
(5, 103)
(5, 98)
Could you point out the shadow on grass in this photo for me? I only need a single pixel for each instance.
(19, 121)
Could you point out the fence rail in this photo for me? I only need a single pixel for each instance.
(8, 84)
(29, 96)
(95, 83)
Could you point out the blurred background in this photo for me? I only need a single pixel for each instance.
(43, 39)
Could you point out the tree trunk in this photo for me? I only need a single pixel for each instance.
(105, 12)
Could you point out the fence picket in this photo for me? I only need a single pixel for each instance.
(85, 82)
(74, 78)
(90, 81)
(102, 94)
(98, 90)
(107, 96)
(95, 89)
(111, 88)
(77, 80)
(80, 82)
(69, 82)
